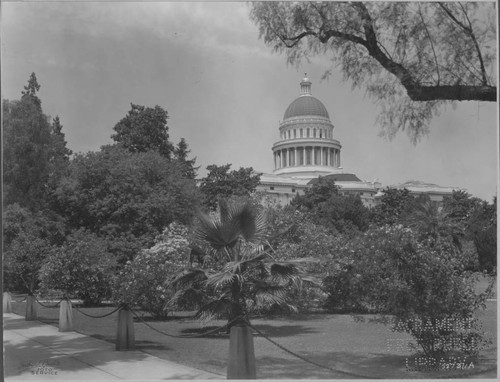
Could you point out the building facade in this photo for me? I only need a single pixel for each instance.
(307, 149)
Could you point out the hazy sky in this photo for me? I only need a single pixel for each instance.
(224, 90)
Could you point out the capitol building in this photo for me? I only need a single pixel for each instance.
(307, 149)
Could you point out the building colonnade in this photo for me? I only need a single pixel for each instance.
(307, 156)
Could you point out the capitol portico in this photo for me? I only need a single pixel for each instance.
(307, 149)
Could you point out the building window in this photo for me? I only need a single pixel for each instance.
(308, 131)
(293, 189)
(271, 188)
(301, 133)
(294, 133)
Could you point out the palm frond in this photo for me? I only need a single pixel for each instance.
(189, 277)
(242, 265)
(221, 279)
(191, 296)
(312, 280)
(214, 310)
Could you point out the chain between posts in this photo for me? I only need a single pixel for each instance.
(102, 316)
(454, 375)
(184, 336)
(308, 360)
(24, 299)
(53, 306)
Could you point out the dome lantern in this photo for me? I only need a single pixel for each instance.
(305, 86)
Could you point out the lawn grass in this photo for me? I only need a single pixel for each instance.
(335, 340)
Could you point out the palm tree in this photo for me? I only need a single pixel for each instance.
(433, 223)
(238, 274)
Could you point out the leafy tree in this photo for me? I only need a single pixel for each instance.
(479, 220)
(319, 192)
(221, 183)
(126, 197)
(26, 153)
(31, 89)
(144, 129)
(239, 276)
(410, 57)
(394, 206)
(80, 268)
(482, 228)
(181, 153)
(327, 207)
(35, 152)
(23, 259)
(21, 227)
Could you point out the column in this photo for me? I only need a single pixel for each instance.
(338, 157)
(296, 163)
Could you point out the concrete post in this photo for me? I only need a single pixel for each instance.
(7, 302)
(241, 354)
(65, 316)
(125, 337)
(31, 308)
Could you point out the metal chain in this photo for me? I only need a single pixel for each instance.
(104, 315)
(47, 306)
(182, 336)
(466, 374)
(24, 299)
(308, 360)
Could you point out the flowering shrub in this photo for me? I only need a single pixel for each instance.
(81, 268)
(144, 281)
(294, 236)
(387, 270)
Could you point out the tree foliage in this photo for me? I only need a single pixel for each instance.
(127, 197)
(34, 151)
(410, 57)
(80, 268)
(394, 206)
(479, 219)
(221, 183)
(327, 207)
(390, 271)
(181, 153)
(144, 129)
(145, 281)
(28, 239)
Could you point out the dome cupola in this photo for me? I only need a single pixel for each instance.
(306, 104)
(306, 147)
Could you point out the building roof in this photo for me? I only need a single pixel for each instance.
(423, 187)
(338, 178)
(306, 105)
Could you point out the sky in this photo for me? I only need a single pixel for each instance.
(225, 91)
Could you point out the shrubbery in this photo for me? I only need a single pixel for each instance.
(144, 281)
(81, 268)
(387, 270)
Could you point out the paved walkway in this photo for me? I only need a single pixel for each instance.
(35, 351)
